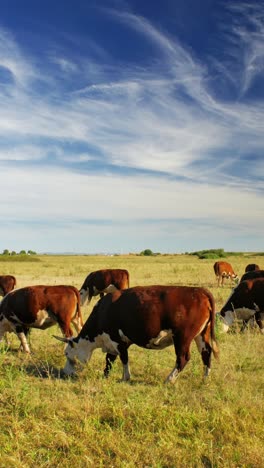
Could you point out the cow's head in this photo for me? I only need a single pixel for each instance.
(77, 349)
(227, 318)
(84, 295)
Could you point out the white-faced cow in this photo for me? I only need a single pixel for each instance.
(224, 270)
(40, 307)
(251, 267)
(7, 284)
(98, 281)
(151, 317)
(245, 302)
(252, 275)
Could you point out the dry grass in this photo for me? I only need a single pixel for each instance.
(90, 421)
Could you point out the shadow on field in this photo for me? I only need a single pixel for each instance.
(44, 371)
(206, 462)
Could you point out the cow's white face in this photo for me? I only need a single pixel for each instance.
(242, 313)
(227, 320)
(81, 351)
(84, 296)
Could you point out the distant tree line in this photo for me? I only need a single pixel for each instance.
(22, 252)
(213, 254)
(148, 253)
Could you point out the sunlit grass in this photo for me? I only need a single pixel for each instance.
(89, 421)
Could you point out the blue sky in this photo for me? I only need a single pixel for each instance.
(127, 125)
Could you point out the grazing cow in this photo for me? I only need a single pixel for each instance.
(98, 281)
(40, 307)
(251, 267)
(224, 270)
(245, 302)
(7, 284)
(252, 275)
(152, 317)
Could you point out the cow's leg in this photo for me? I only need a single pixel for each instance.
(109, 360)
(65, 326)
(123, 353)
(244, 326)
(203, 344)
(259, 321)
(182, 350)
(20, 332)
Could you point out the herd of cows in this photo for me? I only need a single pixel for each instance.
(151, 317)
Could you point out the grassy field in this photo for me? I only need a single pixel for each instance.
(92, 422)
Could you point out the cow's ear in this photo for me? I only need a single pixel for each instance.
(60, 338)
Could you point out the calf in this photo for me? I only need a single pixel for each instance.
(40, 307)
(245, 302)
(151, 317)
(7, 284)
(98, 282)
(251, 267)
(224, 270)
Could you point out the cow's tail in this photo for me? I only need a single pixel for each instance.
(78, 306)
(128, 283)
(212, 328)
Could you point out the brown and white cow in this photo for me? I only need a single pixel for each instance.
(40, 307)
(251, 267)
(252, 275)
(7, 284)
(245, 302)
(98, 281)
(224, 270)
(151, 317)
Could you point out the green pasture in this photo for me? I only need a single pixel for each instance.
(89, 421)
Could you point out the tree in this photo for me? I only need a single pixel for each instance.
(6, 252)
(22, 252)
(147, 252)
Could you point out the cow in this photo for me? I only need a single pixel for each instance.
(251, 267)
(40, 307)
(151, 317)
(252, 275)
(245, 302)
(98, 281)
(224, 270)
(7, 284)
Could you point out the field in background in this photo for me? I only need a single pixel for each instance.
(90, 421)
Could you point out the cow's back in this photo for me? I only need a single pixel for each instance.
(27, 301)
(140, 313)
(252, 267)
(249, 275)
(103, 278)
(7, 283)
(222, 267)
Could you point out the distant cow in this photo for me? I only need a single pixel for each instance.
(245, 302)
(251, 267)
(40, 307)
(7, 284)
(252, 275)
(224, 270)
(151, 317)
(98, 281)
